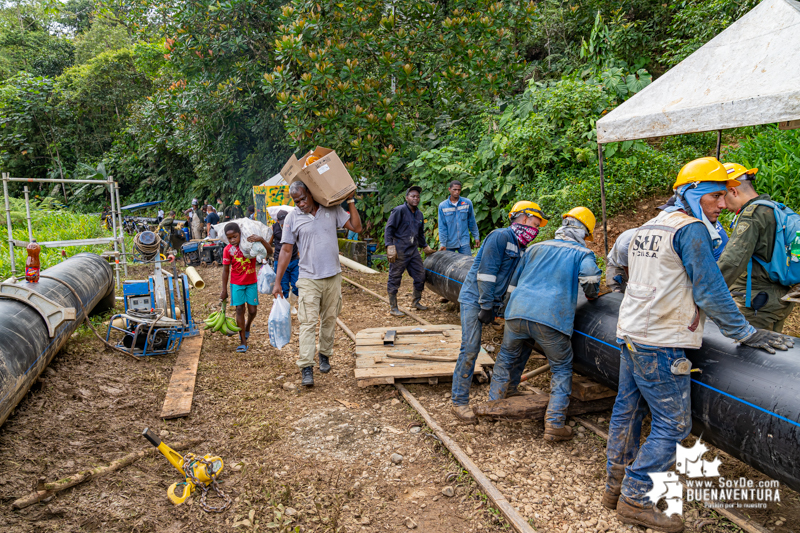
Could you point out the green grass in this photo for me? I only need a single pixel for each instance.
(49, 224)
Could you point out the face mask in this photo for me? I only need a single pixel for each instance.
(525, 234)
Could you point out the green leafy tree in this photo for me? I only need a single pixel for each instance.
(362, 76)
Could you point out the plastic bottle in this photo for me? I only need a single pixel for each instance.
(795, 249)
(32, 266)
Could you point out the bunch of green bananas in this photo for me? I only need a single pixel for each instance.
(217, 321)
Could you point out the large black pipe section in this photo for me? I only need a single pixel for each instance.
(26, 347)
(745, 402)
(445, 272)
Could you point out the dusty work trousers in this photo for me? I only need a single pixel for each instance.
(319, 301)
(646, 381)
(557, 348)
(410, 260)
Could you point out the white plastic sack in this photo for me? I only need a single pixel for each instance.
(280, 323)
(273, 210)
(266, 278)
(248, 227)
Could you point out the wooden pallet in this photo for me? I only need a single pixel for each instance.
(419, 353)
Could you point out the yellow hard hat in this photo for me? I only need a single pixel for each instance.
(735, 170)
(530, 209)
(703, 169)
(237, 202)
(586, 217)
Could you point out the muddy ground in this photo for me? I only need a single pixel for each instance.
(299, 459)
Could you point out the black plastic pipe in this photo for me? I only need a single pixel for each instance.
(26, 348)
(745, 402)
(445, 272)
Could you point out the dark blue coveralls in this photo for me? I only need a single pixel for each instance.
(406, 231)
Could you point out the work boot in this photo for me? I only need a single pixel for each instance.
(613, 487)
(393, 306)
(463, 413)
(415, 304)
(554, 434)
(308, 377)
(647, 516)
(324, 364)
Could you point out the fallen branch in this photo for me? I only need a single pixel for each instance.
(45, 490)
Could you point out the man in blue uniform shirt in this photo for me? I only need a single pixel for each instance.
(457, 222)
(403, 236)
(483, 292)
(541, 307)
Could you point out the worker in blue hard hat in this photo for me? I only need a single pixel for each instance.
(673, 282)
(482, 294)
(549, 274)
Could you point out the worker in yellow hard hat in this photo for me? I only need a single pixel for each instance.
(745, 263)
(233, 212)
(673, 284)
(484, 290)
(541, 308)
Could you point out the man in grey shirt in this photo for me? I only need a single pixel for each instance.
(313, 228)
(617, 266)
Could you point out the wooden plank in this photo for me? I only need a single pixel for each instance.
(178, 401)
(511, 514)
(412, 340)
(586, 390)
(419, 357)
(368, 382)
(438, 329)
(534, 406)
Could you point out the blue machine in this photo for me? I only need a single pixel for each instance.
(148, 327)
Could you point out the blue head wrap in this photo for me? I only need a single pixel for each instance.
(690, 194)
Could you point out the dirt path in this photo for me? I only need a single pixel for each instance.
(316, 460)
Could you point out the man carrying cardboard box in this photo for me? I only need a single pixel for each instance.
(313, 228)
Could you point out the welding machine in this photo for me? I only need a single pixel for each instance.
(158, 311)
(191, 253)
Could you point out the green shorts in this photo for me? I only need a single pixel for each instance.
(241, 294)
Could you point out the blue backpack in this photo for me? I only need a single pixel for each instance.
(780, 267)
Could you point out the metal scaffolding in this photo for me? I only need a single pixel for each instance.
(116, 223)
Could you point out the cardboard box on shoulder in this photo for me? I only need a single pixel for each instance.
(327, 178)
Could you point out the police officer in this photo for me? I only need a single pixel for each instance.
(482, 296)
(753, 236)
(403, 236)
(673, 283)
(541, 307)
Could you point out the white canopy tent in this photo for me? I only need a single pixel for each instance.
(746, 76)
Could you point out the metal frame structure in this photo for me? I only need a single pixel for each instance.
(116, 222)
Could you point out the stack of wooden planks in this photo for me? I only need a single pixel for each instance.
(413, 354)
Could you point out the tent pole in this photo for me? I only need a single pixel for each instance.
(719, 143)
(603, 197)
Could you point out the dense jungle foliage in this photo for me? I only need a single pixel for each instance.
(208, 97)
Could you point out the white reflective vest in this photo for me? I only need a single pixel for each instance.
(658, 308)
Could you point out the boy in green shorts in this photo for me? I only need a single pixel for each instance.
(244, 280)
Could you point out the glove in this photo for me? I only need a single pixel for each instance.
(765, 339)
(486, 316)
(391, 253)
(429, 250)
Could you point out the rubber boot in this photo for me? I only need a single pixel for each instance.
(613, 487)
(647, 516)
(464, 413)
(393, 306)
(554, 434)
(415, 304)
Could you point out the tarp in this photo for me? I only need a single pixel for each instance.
(274, 181)
(134, 207)
(747, 75)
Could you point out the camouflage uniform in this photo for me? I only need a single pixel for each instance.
(754, 234)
